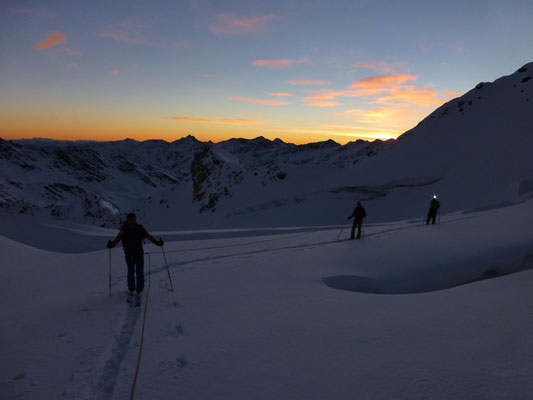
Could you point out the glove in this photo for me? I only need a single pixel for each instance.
(109, 244)
(160, 243)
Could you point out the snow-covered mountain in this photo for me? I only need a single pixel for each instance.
(474, 151)
(98, 181)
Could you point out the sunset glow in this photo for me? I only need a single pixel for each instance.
(299, 71)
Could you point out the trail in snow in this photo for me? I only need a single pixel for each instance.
(104, 382)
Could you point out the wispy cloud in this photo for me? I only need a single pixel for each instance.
(54, 38)
(223, 121)
(113, 72)
(322, 98)
(231, 24)
(387, 88)
(383, 81)
(383, 66)
(260, 101)
(207, 76)
(280, 63)
(324, 104)
(73, 65)
(63, 51)
(133, 31)
(307, 83)
(409, 94)
(324, 94)
(281, 94)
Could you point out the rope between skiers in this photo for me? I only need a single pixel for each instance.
(143, 326)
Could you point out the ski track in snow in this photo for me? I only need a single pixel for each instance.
(292, 247)
(104, 382)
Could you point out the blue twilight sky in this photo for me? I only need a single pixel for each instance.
(299, 70)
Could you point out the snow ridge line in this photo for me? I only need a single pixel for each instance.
(104, 384)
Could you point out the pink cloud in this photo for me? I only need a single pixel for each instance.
(113, 72)
(382, 66)
(207, 76)
(223, 121)
(62, 51)
(326, 94)
(282, 63)
(383, 81)
(307, 83)
(413, 95)
(260, 101)
(280, 94)
(324, 104)
(53, 39)
(387, 88)
(230, 24)
(73, 64)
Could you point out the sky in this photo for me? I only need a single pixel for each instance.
(302, 71)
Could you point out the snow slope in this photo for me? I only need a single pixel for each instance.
(292, 315)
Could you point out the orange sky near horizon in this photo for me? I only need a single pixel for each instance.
(76, 126)
(296, 136)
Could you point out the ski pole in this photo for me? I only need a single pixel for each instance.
(109, 272)
(168, 271)
(339, 235)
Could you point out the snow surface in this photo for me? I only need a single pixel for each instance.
(403, 314)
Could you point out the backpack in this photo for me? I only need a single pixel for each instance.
(132, 239)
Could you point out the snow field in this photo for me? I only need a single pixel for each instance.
(259, 321)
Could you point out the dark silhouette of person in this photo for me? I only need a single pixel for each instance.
(433, 210)
(358, 215)
(132, 235)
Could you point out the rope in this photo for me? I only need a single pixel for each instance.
(144, 324)
(109, 272)
(339, 235)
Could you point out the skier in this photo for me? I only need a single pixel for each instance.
(358, 214)
(433, 209)
(132, 235)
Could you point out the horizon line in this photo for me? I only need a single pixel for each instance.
(41, 138)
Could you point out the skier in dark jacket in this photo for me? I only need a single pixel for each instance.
(358, 214)
(132, 235)
(433, 210)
